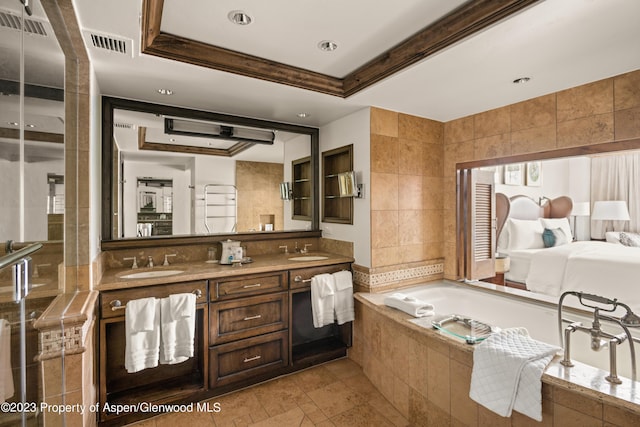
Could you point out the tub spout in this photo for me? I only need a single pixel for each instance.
(566, 360)
(613, 365)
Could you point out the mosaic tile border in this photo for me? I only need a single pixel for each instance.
(54, 342)
(381, 279)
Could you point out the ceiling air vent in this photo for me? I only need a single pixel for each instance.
(124, 126)
(31, 26)
(111, 43)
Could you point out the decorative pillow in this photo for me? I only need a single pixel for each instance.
(630, 239)
(555, 237)
(553, 223)
(612, 236)
(525, 234)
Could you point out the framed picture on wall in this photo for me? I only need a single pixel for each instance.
(534, 174)
(514, 174)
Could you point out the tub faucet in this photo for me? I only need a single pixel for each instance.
(150, 258)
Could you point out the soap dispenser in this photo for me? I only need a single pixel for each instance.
(228, 251)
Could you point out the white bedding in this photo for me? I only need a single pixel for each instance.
(601, 268)
(520, 261)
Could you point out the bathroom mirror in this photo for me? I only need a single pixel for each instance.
(225, 172)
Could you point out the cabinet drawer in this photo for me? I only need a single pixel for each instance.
(240, 360)
(253, 284)
(301, 277)
(108, 298)
(247, 317)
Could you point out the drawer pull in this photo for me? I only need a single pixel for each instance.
(251, 359)
(257, 316)
(256, 285)
(299, 279)
(117, 304)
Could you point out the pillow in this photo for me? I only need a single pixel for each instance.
(525, 234)
(562, 223)
(555, 237)
(630, 239)
(612, 236)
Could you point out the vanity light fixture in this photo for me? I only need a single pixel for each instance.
(327, 46)
(521, 80)
(239, 17)
(218, 131)
(163, 91)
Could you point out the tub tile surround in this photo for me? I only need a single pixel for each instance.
(402, 359)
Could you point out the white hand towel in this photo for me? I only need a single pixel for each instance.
(507, 368)
(6, 374)
(177, 325)
(409, 305)
(145, 319)
(344, 297)
(322, 299)
(141, 347)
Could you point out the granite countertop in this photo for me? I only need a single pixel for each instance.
(201, 270)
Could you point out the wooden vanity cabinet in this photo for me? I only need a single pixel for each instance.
(310, 345)
(162, 384)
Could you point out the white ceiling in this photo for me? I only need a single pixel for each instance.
(558, 43)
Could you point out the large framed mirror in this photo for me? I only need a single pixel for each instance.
(173, 172)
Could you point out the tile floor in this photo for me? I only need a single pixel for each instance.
(334, 394)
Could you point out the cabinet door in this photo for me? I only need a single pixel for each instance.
(247, 317)
(251, 357)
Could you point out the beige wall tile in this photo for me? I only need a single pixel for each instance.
(418, 409)
(584, 101)
(432, 193)
(384, 154)
(533, 140)
(621, 417)
(463, 408)
(536, 112)
(584, 405)
(434, 224)
(382, 257)
(411, 158)
(433, 160)
(384, 191)
(627, 124)
(419, 129)
(457, 153)
(492, 122)
(434, 250)
(410, 192)
(384, 229)
(585, 131)
(492, 147)
(411, 227)
(458, 130)
(626, 90)
(439, 380)
(384, 122)
(567, 417)
(413, 253)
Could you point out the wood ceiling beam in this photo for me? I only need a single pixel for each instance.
(463, 22)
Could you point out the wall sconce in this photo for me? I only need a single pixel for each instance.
(286, 191)
(542, 200)
(348, 187)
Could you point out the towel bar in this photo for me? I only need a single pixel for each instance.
(117, 304)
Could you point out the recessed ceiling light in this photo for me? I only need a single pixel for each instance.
(521, 80)
(238, 17)
(12, 123)
(172, 140)
(303, 115)
(327, 45)
(163, 91)
(29, 125)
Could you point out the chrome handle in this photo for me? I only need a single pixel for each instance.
(251, 359)
(117, 304)
(257, 316)
(299, 279)
(256, 285)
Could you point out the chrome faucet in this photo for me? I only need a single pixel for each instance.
(135, 261)
(286, 249)
(305, 250)
(150, 258)
(630, 319)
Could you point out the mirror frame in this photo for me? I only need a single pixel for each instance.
(109, 104)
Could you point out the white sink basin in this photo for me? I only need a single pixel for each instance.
(150, 274)
(308, 258)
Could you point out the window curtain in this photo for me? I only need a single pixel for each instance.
(616, 178)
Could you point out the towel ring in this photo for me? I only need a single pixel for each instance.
(117, 304)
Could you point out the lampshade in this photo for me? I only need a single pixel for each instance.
(615, 210)
(581, 209)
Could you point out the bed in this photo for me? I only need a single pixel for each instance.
(606, 268)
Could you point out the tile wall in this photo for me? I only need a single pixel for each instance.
(599, 112)
(258, 185)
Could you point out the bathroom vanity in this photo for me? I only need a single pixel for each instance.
(253, 323)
